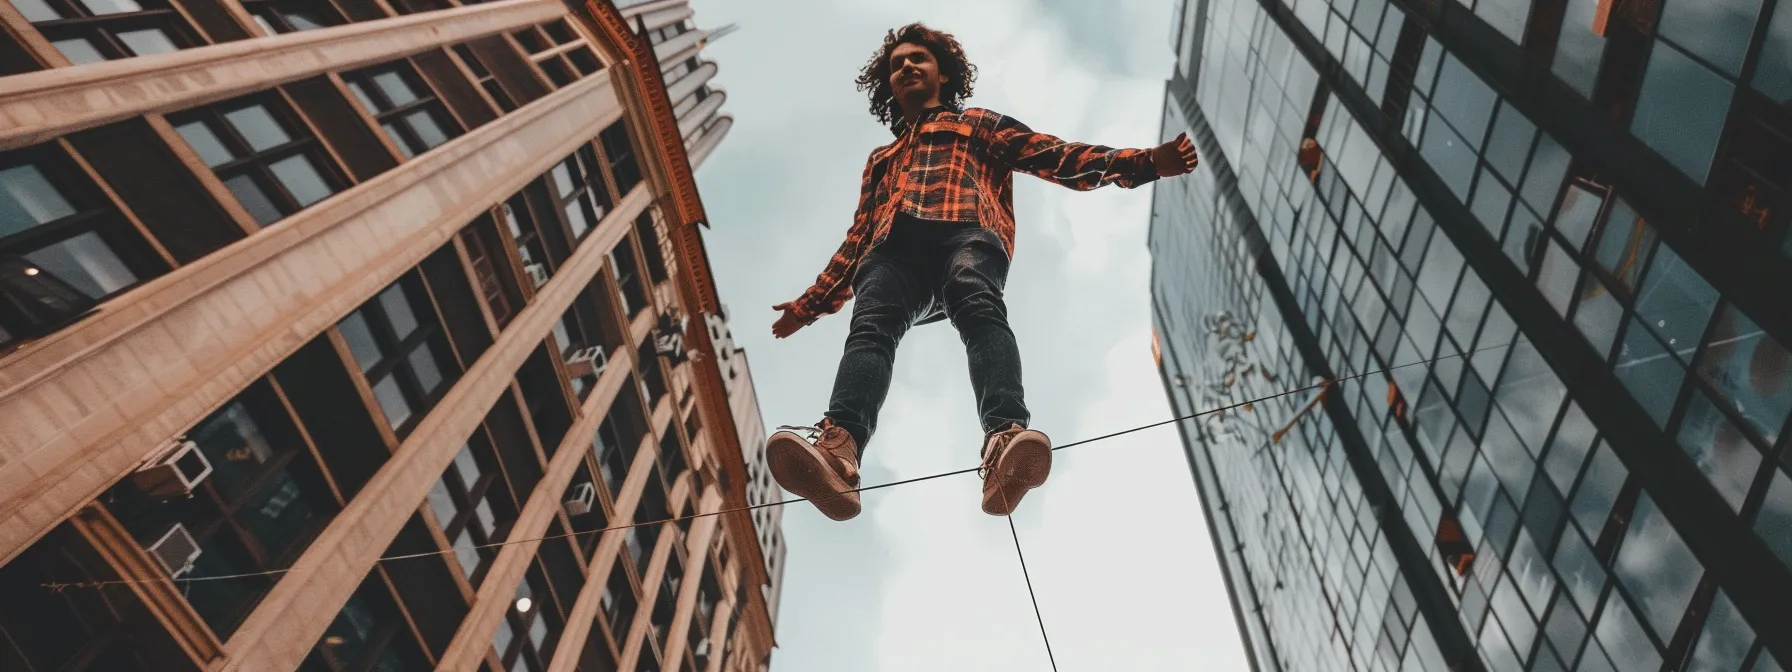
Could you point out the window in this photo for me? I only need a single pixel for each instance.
(652, 509)
(264, 157)
(628, 278)
(405, 108)
(402, 352)
(619, 148)
(90, 31)
(580, 192)
(1685, 135)
(559, 51)
(618, 602)
(530, 247)
(257, 511)
(471, 507)
(60, 249)
(484, 77)
(532, 613)
(291, 16)
(368, 634)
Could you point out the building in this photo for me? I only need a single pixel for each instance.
(679, 43)
(1543, 248)
(333, 332)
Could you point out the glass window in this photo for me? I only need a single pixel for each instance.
(1464, 100)
(1774, 522)
(1725, 641)
(1773, 70)
(1623, 245)
(1749, 370)
(1598, 490)
(1657, 568)
(1583, 575)
(1676, 302)
(1568, 450)
(1729, 460)
(269, 163)
(580, 190)
(1681, 110)
(1506, 16)
(290, 16)
(369, 633)
(403, 106)
(403, 360)
(1624, 639)
(1598, 315)
(93, 31)
(1716, 30)
(64, 246)
(1450, 156)
(620, 150)
(1579, 50)
(1649, 371)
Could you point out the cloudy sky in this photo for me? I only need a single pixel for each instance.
(923, 580)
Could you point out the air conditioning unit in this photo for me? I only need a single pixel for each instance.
(176, 551)
(537, 273)
(583, 501)
(174, 471)
(587, 361)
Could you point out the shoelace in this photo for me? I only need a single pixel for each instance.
(993, 448)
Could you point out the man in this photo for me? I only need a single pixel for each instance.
(932, 240)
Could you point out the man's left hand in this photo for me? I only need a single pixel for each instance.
(1176, 157)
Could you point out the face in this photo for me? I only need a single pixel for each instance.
(914, 74)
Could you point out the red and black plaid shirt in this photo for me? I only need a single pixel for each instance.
(959, 167)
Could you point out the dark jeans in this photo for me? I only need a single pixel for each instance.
(925, 268)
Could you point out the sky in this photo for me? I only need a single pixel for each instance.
(1117, 547)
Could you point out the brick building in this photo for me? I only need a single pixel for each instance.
(332, 330)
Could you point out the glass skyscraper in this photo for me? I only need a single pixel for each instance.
(1542, 247)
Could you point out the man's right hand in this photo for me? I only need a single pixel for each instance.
(787, 323)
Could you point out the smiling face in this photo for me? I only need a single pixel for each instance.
(915, 76)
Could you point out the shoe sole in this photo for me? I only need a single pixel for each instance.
(802, 469)
(1026, 466)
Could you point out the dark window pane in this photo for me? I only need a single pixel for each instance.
(27, 199)
(1578, 50)
(1773, 70)
(1649, 371)
(1750, 372)
(1718, 30)
(1623, 637)
(395, 301)
(235, 446)
(1623, 245)
(1598, 490)
(1449, 155)
(257, 127)
(1582, 574)
(360, 340)
(87, 263)
(277, 518)
(78, 51)
(392, 401)
(206, 143)
(1725, 641)
(426, 128)
(1774, 522)
(36, 10)
(1728, 459)
(1463, 99)
(1657, 568)
(147, 41)
(1675, 302)
(423, 364)
(1598, 315)
(253, 199)
(1681, 110)
(301, 179)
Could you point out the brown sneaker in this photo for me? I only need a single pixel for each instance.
(819, 464)
(1015, 460)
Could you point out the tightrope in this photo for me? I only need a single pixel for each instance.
(60, 586)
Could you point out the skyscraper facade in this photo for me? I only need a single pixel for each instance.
(678, 44)
(1541, 248)
(334, 334)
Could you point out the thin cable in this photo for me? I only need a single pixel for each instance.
(59, 586)
(1029, 578)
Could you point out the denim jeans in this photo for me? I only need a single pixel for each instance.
(922, 271)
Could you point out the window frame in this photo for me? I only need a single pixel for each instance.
(245, 161)
(392, 118)
(101, 31)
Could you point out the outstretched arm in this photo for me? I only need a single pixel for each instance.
(1084, 166)
(833, 287)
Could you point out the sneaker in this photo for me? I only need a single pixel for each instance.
(1015, 460)
(819, 464)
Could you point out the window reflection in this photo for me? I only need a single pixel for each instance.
(1681, 110)
(1749, 370)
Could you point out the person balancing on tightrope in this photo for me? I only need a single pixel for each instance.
(931, 240)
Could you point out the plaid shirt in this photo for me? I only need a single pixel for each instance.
(959, 167)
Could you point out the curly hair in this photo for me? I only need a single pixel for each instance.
(874, 78)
